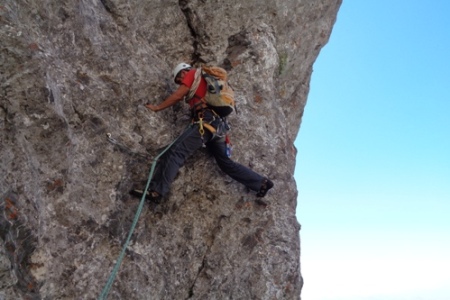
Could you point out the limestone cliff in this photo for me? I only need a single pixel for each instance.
(73, 71)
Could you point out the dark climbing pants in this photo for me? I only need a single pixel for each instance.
(189, 142)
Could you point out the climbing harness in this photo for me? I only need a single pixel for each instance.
(111, 278)
(221, 129)
(202, 125)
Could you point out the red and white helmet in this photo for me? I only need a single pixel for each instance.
(180, 67)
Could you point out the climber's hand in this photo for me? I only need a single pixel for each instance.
(155, 108)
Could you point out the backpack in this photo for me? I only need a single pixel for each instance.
(219, 95)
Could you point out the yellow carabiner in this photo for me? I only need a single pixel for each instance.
(200, 124)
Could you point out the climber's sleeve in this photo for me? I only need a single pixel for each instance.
(176, 97)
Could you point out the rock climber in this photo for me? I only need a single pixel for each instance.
(191, 140)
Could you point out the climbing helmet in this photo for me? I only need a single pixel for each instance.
(180, 67)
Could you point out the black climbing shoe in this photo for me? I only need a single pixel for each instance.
(265, 187)
(151, 196)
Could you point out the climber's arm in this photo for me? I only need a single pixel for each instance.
(176, 97)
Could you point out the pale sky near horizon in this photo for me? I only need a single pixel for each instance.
(373, 163)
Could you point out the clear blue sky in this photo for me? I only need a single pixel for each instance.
(373, 164)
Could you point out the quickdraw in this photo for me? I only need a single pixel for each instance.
(201, 127)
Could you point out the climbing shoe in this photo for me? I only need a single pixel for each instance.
(266, 185)
(151, 196)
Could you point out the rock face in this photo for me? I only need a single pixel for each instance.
(73, 71)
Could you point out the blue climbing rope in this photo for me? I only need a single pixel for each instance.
(112, 277)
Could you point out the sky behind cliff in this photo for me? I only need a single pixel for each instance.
(373, 164)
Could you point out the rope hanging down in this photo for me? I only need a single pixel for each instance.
(112, 277)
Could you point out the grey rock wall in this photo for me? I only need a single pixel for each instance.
(73, 71)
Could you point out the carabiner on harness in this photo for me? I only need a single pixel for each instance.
(200, 128)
